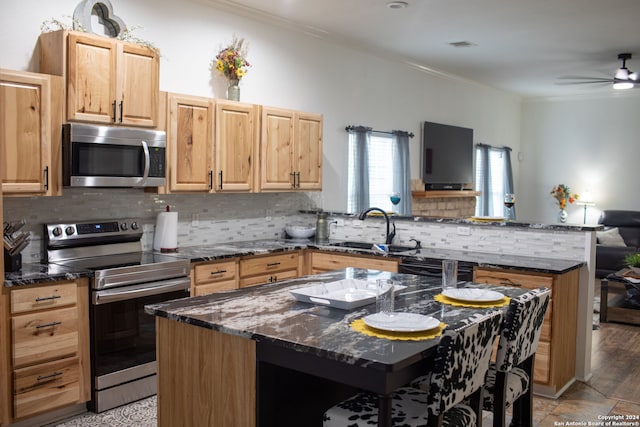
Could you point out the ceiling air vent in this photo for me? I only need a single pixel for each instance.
(462, 44)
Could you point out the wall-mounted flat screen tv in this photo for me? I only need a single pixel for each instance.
(447, 162)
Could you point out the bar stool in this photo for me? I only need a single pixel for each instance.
(461, 362)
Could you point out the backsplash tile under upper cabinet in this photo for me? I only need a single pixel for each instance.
(219, 218)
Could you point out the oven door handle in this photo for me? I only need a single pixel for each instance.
(139, 291)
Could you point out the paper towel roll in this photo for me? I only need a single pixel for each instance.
(166, 234)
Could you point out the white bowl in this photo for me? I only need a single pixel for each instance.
(300, 231)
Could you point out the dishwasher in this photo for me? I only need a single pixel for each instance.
(432, 267)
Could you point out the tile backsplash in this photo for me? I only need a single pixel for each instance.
(202, 218)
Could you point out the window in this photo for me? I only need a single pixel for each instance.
(378, 166)
(380, 185)
(493, 180)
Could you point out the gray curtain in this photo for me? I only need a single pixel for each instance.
(401, 170)
(484, 182)
(359, 183)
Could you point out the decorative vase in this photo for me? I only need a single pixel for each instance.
(562, 216)
(233, 91)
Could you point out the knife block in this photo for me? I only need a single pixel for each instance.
(12, 263)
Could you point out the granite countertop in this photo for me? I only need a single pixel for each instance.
(32, 273)
(36, 273)
(270, 312)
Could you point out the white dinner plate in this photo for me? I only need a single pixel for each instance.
(473, 295)
(401, 322)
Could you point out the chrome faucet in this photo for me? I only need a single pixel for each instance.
(389, 236)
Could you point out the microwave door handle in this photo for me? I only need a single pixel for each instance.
(145, 175)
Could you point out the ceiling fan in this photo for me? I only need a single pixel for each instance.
(622, 79)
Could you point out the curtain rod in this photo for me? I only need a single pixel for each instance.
(368, 129)
(479, 144)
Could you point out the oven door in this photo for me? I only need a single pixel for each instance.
(123, 340)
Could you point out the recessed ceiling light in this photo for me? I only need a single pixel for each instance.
(397, 4)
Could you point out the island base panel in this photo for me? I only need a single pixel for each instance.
(205, 378)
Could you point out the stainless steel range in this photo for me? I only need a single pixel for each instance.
(124, 280)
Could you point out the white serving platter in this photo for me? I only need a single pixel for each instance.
(473, 295)
(345, 294)
(401, 322)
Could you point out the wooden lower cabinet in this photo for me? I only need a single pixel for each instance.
(49, 346)
(319, 262)
(555, 361)
(261, 269)
(215, 276)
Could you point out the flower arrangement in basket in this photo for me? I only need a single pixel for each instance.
(562, 193)
(231, 61)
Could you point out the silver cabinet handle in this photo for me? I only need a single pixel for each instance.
(52, 297)
(48, 377)
(48, 325)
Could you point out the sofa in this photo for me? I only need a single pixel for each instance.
(620, 237)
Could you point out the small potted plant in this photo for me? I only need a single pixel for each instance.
(633, 262)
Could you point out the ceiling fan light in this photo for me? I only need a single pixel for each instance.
(634, 76)
(622, 85)
(622, 73)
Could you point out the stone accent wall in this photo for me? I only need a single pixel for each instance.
(444, 207)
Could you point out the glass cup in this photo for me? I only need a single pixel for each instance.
(385, 295)
(449, 274)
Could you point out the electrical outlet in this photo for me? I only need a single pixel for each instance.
(357, 223)
(195, 220)
(340, 222)
(268, 214)
(464, 231)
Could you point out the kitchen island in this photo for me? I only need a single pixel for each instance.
(220, 357)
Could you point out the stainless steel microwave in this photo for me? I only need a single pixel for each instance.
(106, 156)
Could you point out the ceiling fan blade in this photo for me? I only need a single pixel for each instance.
(584, 82)
(594, 79)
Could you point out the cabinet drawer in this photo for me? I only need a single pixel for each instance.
(508, 278)
(268, 278)
(217, 271)
(542, 364)
(43, 297)
(211, 288)
(265, 265)
(329, 262)
(44, 336)
(46, 386)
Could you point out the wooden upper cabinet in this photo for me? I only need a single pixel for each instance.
(276, 149)
(30, 133)
(190, 142)
(108, 80)
(290, 150)
(235, 146)
(308, 151)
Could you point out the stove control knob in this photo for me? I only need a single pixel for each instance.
(124, 226)
(57, 231)
(134, 225)
(69, 230)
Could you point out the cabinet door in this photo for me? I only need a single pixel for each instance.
(25, 134)
(91, 83)
(190, 143)
(308, 151)
(276, 149)
(138, 70)
(329, 261)
(234, 146)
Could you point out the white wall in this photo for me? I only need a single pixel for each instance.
(588, 143)
(289, 69)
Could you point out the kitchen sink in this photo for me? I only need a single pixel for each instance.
(367, 245)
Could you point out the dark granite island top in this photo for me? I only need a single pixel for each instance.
(313, 339)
